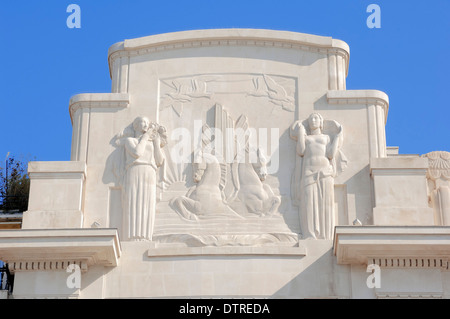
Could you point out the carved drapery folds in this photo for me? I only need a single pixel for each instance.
(136, 170)
(234, 191)
(438, 176)
(319, 159)
(227, 187)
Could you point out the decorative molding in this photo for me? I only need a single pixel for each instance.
(53, 249)
(412, 165)
(55, 175)
(229, 240)
(45, 265)
(229, 37)
(409, 295)
(412, 262)
(393, 246)
(201, 43)
(363, 97)
(57, 170)
(98, 100)
(226, 251)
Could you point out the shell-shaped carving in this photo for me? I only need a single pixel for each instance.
(438, 165)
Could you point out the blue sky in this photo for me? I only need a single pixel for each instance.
(44, 62)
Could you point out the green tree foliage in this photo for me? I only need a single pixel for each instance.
(14, 185)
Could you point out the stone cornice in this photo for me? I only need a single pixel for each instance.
(364, 97)
(227, 251)
(67, 169)
(228, 37)
(393, 246)
(400, 165)
(53, 249)
(98, 100)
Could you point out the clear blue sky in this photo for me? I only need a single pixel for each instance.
(44, 63)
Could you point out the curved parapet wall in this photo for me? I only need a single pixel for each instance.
(337, 52)
(230, 163)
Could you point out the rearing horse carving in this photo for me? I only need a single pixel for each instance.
(206, 199)
(250, 192)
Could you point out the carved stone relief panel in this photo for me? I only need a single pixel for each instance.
(176, 92)
(214, 186)
(222, 186)
(438, 176)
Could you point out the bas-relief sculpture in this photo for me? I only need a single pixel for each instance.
(438, 175)
(206, 199)
(319, 160)
(177, 92)
(181, 207)
(231, 193)
(250, 196)
(141, 149)
(249, 176)
(247, 197)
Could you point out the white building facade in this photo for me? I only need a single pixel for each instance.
(233, 163)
